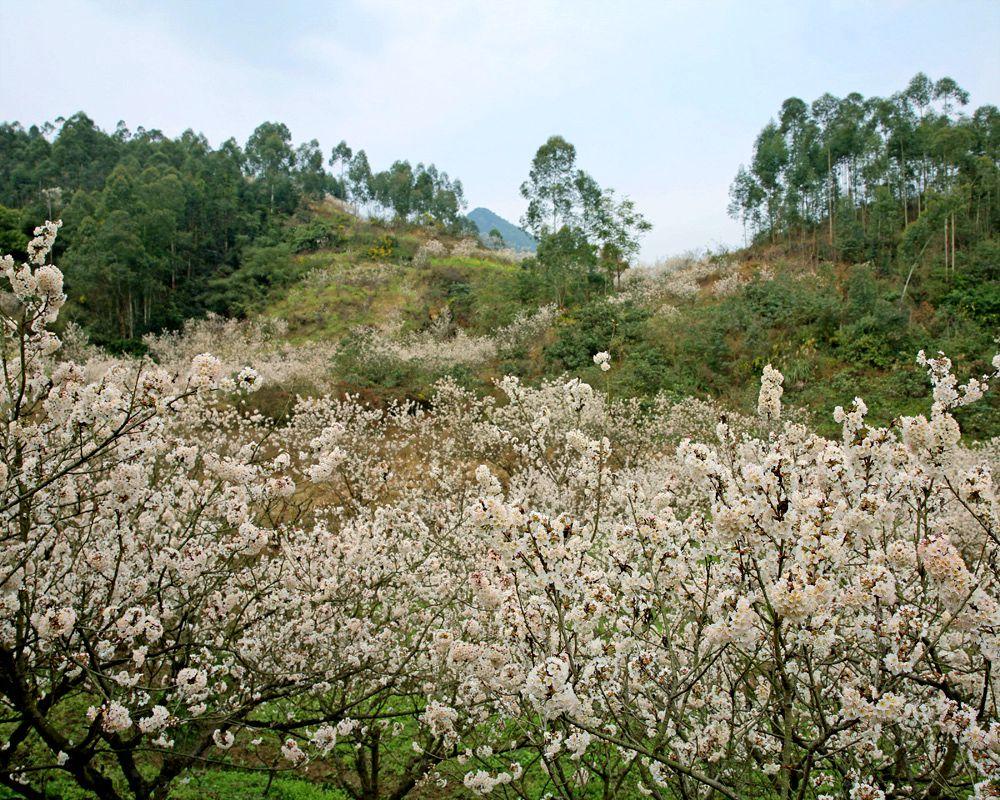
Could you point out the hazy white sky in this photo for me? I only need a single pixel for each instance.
(662, 99)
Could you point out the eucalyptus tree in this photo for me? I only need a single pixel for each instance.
(614, 225)
(803, 189)
(310, 175)
(270, 157)
(578, 223)
(770, 160)
(862, 170)
(551, 189)
(341, 156)
(359, 177)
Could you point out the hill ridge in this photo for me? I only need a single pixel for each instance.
(514, 237)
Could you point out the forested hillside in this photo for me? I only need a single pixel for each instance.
(879, 179)
(158, 230)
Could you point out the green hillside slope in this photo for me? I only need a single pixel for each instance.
(400, 308)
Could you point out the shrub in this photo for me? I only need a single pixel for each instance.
(384, 248)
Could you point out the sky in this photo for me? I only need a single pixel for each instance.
(662, 99)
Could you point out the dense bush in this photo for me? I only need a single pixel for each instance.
(597, 326)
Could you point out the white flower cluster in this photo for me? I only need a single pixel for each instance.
(254, 352)
(769, 399)
(432, 248)
(441, 346)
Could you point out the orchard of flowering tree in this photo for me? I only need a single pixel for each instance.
(313, 487)
(549, 591)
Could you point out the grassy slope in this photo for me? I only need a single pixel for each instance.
(373, 279)
(346, 291)
(835, 330)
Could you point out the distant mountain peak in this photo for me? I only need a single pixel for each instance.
(513, 236)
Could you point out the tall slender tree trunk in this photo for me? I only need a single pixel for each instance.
(953, 241)
(902, 181)
(945, 244)
(130, 317)
(829, 168)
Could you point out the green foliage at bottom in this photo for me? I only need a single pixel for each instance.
(213, 784)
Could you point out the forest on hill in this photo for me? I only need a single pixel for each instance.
(309, 492)
(879, 179)
(159, 230)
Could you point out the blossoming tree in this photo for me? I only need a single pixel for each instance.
(546, 593)
(159, 592)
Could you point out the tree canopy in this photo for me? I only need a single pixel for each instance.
(580, 225)
(159, 229)
(848, 177)
(407, 193)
